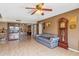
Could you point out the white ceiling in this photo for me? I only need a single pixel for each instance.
(17, 11)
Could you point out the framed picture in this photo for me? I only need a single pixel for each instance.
(73, 26)
(73, 22)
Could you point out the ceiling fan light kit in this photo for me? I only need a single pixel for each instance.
(39, 8)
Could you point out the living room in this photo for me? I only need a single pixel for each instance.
(20, 28)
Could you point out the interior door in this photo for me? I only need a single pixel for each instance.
(63, 35)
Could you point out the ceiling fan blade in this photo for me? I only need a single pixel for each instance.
(47, 9)
(29, 8)
(34, 12)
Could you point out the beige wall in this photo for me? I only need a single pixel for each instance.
(73, 35)
(3, 25)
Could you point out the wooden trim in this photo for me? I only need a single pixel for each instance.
(73, 50)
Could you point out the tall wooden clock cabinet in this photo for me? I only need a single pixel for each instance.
(63, 33)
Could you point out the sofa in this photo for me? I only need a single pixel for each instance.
(49, 40)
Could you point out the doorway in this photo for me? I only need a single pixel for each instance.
(63, 33)
(34, 30)
(29, 30)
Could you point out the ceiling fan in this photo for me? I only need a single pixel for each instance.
(39, 7)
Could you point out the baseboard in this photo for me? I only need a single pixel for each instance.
(73, 50)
